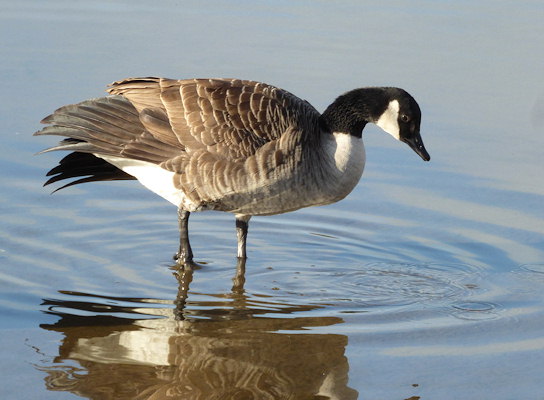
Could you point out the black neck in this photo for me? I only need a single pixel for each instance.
(331, 122)
(350, 112)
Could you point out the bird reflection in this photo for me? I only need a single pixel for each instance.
(129, 348)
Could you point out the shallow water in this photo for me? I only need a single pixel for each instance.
(427, 282)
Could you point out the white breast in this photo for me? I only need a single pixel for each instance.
(349, 153)
(346, 158)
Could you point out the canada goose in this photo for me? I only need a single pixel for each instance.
(231, 145)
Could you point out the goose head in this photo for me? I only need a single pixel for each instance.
(392, 109)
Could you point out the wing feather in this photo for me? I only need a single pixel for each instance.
(219, 136)
(230, 118)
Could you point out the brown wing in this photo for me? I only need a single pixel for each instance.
(229, 118)
(219, 136)
(237, 136)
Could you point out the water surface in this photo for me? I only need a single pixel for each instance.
(426, 282)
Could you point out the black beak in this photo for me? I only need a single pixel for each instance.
(416, 144)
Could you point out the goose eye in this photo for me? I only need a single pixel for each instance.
(404, 118)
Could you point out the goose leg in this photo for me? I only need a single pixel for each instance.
(240, 279)
(241, 234)
(185, 254)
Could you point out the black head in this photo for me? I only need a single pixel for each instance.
(392, 109)
(402, 118)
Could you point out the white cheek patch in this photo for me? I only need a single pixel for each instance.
(388, 121)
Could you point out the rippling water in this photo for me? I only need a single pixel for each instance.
(427, 282)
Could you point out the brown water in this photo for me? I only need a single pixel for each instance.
(427, 282)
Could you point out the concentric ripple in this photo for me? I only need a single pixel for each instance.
(399, 284)
(475, 310)
(537, 268)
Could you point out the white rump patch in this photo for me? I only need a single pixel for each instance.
(153, 177)
(389, 120)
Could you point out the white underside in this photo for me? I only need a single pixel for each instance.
(342, 162)
(153, 177)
